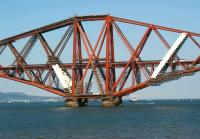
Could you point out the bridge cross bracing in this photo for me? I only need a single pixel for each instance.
(99, 57)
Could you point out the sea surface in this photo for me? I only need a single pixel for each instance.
(155, 119)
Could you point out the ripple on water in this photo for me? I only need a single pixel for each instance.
(130, 121)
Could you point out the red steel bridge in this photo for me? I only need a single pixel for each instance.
(86, 62)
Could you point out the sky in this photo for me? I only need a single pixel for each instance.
(18, 16)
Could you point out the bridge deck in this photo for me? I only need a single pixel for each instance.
(100, 64)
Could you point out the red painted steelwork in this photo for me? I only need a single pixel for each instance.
(113, 77)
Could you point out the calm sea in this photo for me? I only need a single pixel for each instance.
(141, 120)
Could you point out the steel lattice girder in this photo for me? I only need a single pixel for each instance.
(42, 75)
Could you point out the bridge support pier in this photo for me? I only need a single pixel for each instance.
(76, 102)
(111, 102)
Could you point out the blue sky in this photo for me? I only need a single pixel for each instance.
(22, 15)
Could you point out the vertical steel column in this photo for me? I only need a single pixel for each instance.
(133, 74)
(80, 71)
(74, 58)
(107, 83)
(112, 54)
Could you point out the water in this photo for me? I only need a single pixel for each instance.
(141, 120)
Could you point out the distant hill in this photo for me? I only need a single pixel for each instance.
(19, 96)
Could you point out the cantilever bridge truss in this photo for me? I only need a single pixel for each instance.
(100, 54)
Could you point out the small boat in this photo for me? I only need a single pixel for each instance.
(26, 101)
(151, 103)
(133, 99)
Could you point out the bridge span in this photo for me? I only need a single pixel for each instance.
(98, 57)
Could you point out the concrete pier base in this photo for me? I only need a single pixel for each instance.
(76, 102)
(111, 102)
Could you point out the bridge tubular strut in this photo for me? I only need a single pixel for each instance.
(107, 68)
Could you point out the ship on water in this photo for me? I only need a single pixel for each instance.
(133, 99)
